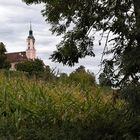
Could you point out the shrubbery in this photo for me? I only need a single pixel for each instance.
(131, 93)
(36, 69)
(80, 75)
(31, 66)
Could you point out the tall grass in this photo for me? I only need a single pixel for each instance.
(36, 110)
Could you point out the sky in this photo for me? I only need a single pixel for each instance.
(15, 17)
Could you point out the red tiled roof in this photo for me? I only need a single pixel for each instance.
(16, 57)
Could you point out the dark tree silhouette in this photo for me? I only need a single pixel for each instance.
(120, 18)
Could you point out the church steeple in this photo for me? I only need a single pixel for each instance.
(30, 31)
(31, 52)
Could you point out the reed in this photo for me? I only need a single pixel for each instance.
(38, 110)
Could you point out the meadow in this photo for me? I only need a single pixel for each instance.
(32, 109)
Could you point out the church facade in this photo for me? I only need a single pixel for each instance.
(29, 54)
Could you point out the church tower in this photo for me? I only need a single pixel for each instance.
(31, 52)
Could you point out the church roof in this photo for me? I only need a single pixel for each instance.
(16, 57)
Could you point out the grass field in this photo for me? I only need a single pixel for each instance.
(39, 110)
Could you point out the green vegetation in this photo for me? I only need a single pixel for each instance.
(79, 20)
(31, 66)
(3, 62)
(39, 110)
(85, 78)
(35, 104)
(104, 80)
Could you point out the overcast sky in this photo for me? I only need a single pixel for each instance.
(15, 17)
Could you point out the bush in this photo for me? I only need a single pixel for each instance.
(82, 77)
(131, 93)
(31, 66)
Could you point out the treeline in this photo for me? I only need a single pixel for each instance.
(37, 70)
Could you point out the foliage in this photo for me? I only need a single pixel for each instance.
(31, 66)
(131, 93)
(63, 77)
(46, 111)
(3, 62)
(47, 75)
(118, 20)
(36, 70)
(82, 77)
(104, 80)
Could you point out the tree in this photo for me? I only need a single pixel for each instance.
(120, 18)
(3, 62)
(104, 80)
(82, 77)
(31, 66)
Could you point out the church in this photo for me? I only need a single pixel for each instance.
(29, 54)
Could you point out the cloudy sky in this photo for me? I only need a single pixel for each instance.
(15, 17)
